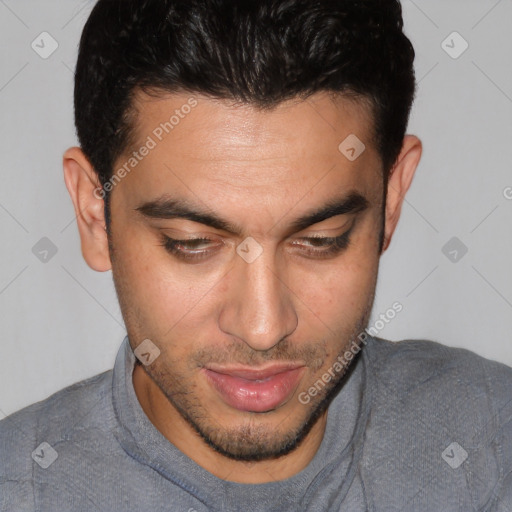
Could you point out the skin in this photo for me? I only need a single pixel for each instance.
(260, 170)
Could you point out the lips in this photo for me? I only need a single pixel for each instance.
(255, 390)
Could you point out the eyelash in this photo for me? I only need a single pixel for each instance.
(335, 245)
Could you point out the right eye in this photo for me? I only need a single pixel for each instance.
(188, 250)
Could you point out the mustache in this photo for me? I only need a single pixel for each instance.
(312, 354)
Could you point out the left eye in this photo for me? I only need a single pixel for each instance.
(317, 241)
(322, 247)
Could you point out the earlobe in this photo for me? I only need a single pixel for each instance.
(400, 180)
(86, 194)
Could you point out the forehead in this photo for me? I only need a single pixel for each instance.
(232, 146)
(187, 116)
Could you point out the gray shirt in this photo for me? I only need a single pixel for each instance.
(417, 426)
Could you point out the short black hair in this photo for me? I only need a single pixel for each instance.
(260, 52)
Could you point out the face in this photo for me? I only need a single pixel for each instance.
(245, 246)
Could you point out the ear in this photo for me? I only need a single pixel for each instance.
(399, 182)
(87, 195)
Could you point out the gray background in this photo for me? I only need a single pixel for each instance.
(60, 320)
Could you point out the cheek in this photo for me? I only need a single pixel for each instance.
(340, 296)
(165, 295)
(340, 291)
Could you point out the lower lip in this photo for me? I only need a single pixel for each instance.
(252, 395)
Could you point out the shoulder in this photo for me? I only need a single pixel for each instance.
(36, 431)
(425, 364)
(453, 406)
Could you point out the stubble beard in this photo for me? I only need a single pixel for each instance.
(256, 438)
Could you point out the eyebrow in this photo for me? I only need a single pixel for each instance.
(166, 207)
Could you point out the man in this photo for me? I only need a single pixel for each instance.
(242, 168)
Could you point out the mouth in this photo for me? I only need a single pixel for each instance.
(255, 390)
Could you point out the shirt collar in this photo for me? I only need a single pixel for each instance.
(341, 446)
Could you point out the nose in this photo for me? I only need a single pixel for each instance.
(258, 305)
